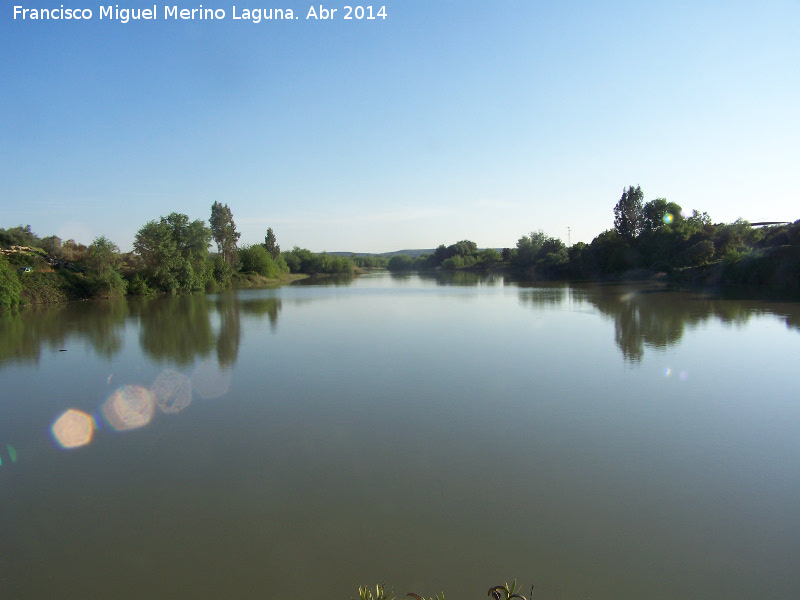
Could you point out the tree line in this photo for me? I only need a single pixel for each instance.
(171, 254)
(647, 237)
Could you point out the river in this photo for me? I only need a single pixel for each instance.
(438, 433)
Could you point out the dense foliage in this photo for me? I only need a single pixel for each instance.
(257, 259)
(648, 237)
(304, 261)
(372, 261)
(173, 254)
(10, 287)
(170, 254)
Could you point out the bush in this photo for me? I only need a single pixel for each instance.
(137, 286)
(45, 288)
(401, 262)
(10, 287)
(257, 259)
(700, 253)
(223, 272)
(300, 260)
(459, 262)
(108, 284)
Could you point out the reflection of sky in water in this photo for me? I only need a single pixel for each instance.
(209, 381)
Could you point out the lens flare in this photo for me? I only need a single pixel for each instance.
(209, 381)
(12, 453)
(130, 407)
(668, 218)
(172, 391)
(72, 429)
(667, 372)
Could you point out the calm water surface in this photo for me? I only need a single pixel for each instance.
(603, 442)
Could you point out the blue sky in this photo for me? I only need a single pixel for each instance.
(447, 120)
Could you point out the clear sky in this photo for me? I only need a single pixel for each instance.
(447, 120)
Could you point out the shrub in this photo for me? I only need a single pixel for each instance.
(400, 262)
(10, 287)
(44, 288)
(257, 259)
(700, 253)
(137, 286)
(223, 272)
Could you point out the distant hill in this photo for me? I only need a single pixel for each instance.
(413, 253)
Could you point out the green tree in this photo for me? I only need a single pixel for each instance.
(103, 255)
(401, 262)
(223, 230)
(489, 257)
(73, 251)
(700, 253)
(158, 250)
(174, 253)
(22, 235)
(256, 259)
(527, 250)
(271, 244)
(628, 213)
(103, 260)
(464, 248)
(222, 272)
(52, 245)
(659, 213)
(192, 241)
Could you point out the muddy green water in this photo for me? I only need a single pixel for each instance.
(438, 434)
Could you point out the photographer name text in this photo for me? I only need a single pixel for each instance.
(317, 12)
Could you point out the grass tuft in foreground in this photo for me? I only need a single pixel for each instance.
(498, 592)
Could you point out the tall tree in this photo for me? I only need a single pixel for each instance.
(103, 255)
(158, 249)
(271, 244)
(192, 239)
(658, 213)
(174, 252)
(224, 231)
(52, 245)
(628, 216)
(103, 259)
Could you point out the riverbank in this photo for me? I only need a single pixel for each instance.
(53, 287)
(253, 280)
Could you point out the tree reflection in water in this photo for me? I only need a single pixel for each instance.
(177, 330)
(650, 316)
(172, 329)
(230, 329)
(24, 333)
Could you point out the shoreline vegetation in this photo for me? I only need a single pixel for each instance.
(497, 592)
(649, 240)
